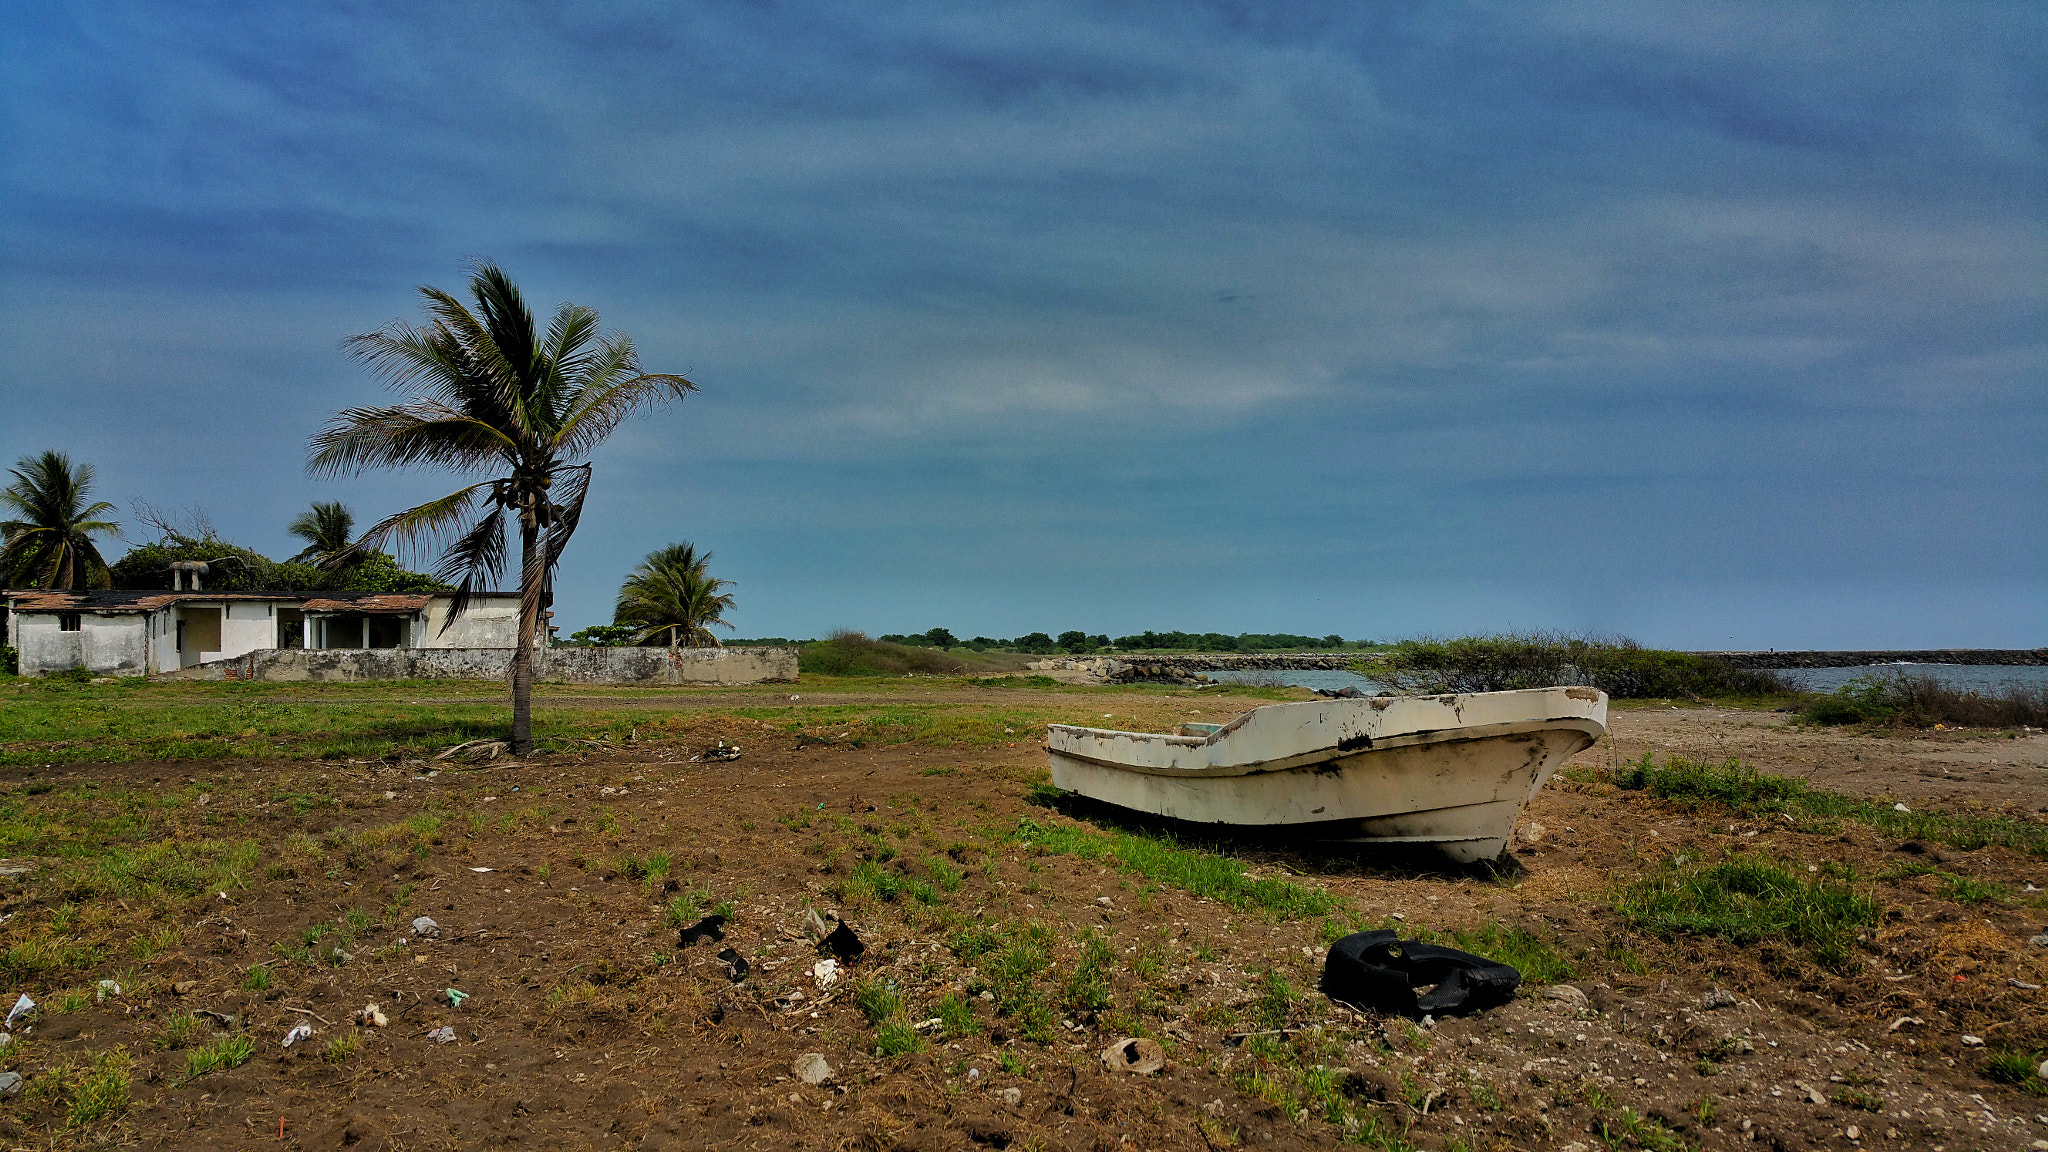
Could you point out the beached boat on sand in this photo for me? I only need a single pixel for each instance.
(1452, 772)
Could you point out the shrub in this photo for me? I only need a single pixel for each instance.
(853, 654)
(1616, 665)
(1922, 701)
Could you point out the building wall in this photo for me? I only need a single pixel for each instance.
(108, 645)
(644, 666)
(491, 622)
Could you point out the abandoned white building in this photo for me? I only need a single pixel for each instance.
(136, 633)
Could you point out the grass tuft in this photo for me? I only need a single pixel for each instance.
(1746, 898)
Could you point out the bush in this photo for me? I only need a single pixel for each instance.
(1616, 665)
(853, 654)
(1922, 701)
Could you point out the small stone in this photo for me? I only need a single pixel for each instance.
(811, 1068)
(425, 928)
(1102, 900)
(1530, 833)
(2040, 941)
(1719, 998)
(2042, 1071)
(1970, 1041)
(1567, 995)
(1853, 1132)
(184, 987)
(10, 1083)
(1013, 1096)
(1215, 1108)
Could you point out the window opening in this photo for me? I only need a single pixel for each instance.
(69, 621)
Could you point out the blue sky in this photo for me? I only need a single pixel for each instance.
(1712, 324)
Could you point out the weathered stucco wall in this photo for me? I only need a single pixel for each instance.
(648, 666)
(108, 645)
(491, 622)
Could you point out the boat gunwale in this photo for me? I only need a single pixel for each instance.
(1321, 758)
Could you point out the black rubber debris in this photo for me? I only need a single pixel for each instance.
(1348, 692)
(841, 942)
(1379, 971)
(709, 928)
(735, 964)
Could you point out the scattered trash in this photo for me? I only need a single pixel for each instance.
(825, 972)
(709, 928)
(441, 1035)
(789, 1000)
(735, 964)
(10, 1083)
(814, 924)
(723, 752)
(811, 1068)
(1013, 1096)
(454, 996)
(483, 869)
(1900, 808)
(372, 1016)
(22, 1007)
(842, 942)
(1376, 970)
(106, 988)
(227, 1020)
(931, 1025)
(1719, 998)
(184, 987)
(1136, 1055)
(1970, 1041)
(341, 957)
(298, 1032)
(425, 928)
(2023, 986)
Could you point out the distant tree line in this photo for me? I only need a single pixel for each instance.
(1078, 643)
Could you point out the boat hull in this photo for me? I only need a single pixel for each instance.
(1453, 772)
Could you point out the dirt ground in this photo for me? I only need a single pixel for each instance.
(586, 1025)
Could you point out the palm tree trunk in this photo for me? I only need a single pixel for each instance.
(530, 582)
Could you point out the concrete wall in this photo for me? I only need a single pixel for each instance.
(491, 622)
(108, 645)
(646, 666)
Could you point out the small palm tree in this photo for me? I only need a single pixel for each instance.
(329, 532)
(51, 545)
(490, 393)
(672, 594)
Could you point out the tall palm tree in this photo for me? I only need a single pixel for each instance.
(50, 546)
(329, 532)
(672, 593)
(490, 393)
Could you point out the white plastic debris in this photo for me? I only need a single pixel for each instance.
(107, 988)
(299, 1032)
(425, 928)
(442, 1035)
(1900, 808)
(483, 869)
(22, 1007)
(372, 1016)
(825, 972)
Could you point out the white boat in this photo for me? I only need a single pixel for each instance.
(1452, 772)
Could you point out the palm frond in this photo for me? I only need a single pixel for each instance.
(601, 408)
(421, 526)
(474, 561)
(404, 435)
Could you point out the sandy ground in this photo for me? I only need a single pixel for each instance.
(587, 1026)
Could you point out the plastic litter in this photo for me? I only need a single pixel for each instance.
(299, 1032)
(1380, 971)
(22, 1007)
(372, 1016)
(724, 752)
(825, 972)
(814, 925)
(483, 869)
(843, 943)
(735, 964)
(107, 988)
(442, 1035)
(811, 1068)
(1136, 1055)
(425, 928)
(455, 996)
(709, 928)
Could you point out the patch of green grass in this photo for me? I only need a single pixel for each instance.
(102, 1091)
(342, 1047)
(259, 978)
(898, 1038)
(1694, 784)
(957, 1013)
(1968, 890)
(877, 1000)
(1631, 1129)
(1746, 898)
(1197, 871)
(226, 1052)
(176, 1032)
(2019, 1068)
(1087, 987)
(1538, 960)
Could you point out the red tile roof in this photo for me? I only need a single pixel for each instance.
(377, 602)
